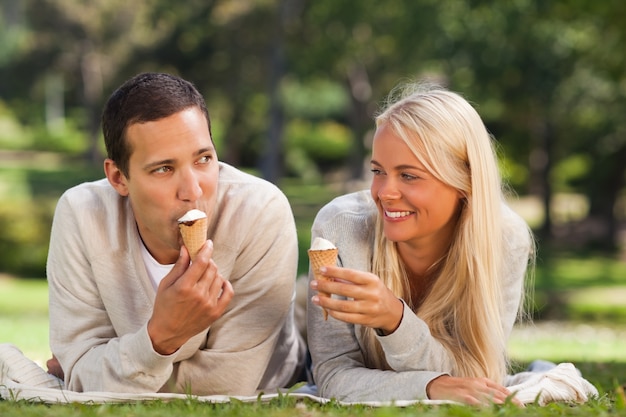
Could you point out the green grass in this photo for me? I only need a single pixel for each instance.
(289, 407)
(24, 316)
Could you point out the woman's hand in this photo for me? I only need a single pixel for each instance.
(472, 391)
(369, 302)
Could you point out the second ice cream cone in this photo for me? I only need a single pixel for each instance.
(318, 259)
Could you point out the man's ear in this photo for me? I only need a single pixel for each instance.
(116, 177)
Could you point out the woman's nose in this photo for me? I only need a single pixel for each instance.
(388, 190)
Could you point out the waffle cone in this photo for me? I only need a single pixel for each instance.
(318, 259)
(194, 235)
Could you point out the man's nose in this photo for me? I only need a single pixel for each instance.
(189, 188)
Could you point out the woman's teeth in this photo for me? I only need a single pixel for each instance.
(397, 214)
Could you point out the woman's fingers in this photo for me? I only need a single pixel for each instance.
(473, 391)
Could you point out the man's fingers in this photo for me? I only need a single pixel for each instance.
(181, 265)
(226, 293)
(214, 282)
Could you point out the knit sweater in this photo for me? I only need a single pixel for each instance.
(101, 296)
(415, 356)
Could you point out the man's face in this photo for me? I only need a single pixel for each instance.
(172, 169)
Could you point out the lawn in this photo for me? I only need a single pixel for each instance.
(596, 349)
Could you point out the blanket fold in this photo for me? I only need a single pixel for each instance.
(23, 379)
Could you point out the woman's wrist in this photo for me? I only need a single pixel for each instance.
(386, 331)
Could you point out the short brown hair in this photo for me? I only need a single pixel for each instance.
(144, 98)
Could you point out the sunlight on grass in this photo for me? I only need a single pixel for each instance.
(21, 297)
(566, 341)
(24, 322)
(29, 334)
(13, 185)
(24, 316)
(571, 271)
(597, 304)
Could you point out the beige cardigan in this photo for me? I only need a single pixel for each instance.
(101, 296)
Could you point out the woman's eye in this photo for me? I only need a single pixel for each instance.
(409, 177)
(375, 171)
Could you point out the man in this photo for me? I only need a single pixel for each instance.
(129, 311)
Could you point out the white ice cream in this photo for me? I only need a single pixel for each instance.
(192, 215)
(322, 244)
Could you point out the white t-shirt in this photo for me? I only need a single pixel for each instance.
(156, 271)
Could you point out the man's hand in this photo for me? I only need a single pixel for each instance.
(189, 299)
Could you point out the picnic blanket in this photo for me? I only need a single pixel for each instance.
(23, 379)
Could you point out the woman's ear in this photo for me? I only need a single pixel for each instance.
(116, 178)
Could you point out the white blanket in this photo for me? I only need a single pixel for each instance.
(23, 379)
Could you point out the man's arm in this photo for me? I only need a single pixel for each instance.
(241, 343)
(98, 310)
(189, 299)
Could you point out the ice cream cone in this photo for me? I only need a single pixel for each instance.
(318, 259)
(194, 235)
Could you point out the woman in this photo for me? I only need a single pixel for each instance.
(432, 264)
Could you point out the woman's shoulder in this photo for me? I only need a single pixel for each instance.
(355, 204)
(514, 228)
(349, 222)
(352, 214)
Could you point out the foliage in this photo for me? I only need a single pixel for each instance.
(325, 143)
(23, 243)
(27, 199)
(544, 76)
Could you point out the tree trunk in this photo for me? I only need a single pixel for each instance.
(91, 72)
(360, 120)
(540, 167)
(603, 198)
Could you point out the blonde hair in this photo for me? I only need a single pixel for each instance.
(462, 309)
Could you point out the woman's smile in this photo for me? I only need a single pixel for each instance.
(397, 215)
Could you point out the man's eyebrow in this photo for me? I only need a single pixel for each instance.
(204, 150)
(155, 164)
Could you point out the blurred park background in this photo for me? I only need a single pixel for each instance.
(292, 87)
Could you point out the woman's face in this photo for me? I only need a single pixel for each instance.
(416, 208)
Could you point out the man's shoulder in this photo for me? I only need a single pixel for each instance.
(233, 181)
(91, 194)
(91, 187)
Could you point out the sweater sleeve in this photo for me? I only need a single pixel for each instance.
(414, 355)
(339, 365)
(100, 302)
(82, 334)
(412, 347)
(518, 249)
(253, 345)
